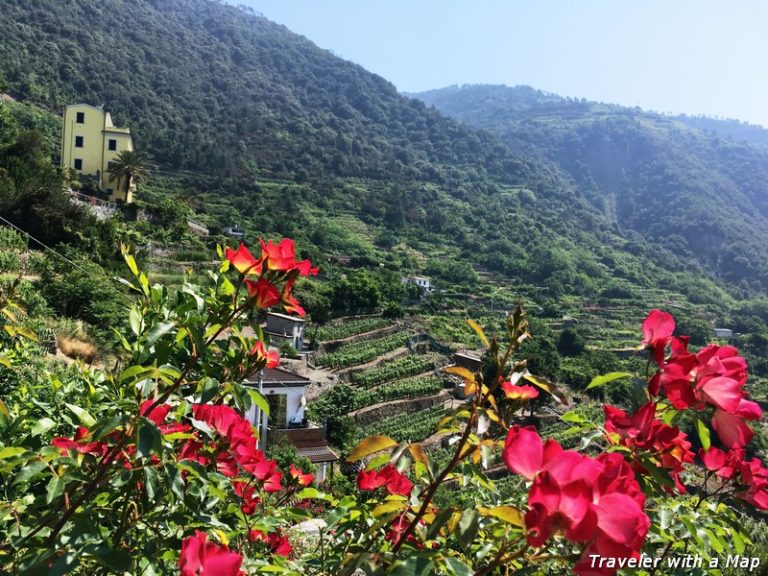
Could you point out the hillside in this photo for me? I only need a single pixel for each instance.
(254, 125)
(699, 193)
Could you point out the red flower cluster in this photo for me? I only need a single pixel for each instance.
(274, 258)
(753, 475)
(668, 445)
(263, 356)
(158, 416)
(519, 392)
(201, 558)
(388, 476)
(297, 474)
(282, 257)
(714, 377)
(80, 443)
(278, 544)
(100, 448)
(594, 501)
(241, 446)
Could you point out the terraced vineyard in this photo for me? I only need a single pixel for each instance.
(394, 370)
(412, 426)
(362, 352)
(351, 328)
(391, 378)
(410, 388)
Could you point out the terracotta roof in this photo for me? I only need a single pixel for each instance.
(318, 454)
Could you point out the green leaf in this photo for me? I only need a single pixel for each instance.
(29, 471)
(117, 560)
(226, 288)
(703, 431)
(548, 386)
(152, 481)
(82, 414)
(259, 399)
(598, 381)
(157, 331)
(148, 437)
(468, 526)
(132, 373)
(210, 387)
(10, 452)
(457, 568)
(668, 416)
(573, 417)
(310, 492)
(135, 320)
(42, 426)
(55, 488)
(174, 480)
(587, 439)
(131, 261)
(439, 521)
(389, 507)
(415, 566)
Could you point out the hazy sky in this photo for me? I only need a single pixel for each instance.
(691, 56)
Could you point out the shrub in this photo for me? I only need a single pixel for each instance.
(78, 349)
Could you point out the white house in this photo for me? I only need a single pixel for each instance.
(723, 333)
(284, 328)
(420, 281)
(286, 421)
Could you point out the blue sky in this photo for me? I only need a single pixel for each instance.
(691, 56)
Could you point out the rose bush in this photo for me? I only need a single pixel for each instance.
(151, 468)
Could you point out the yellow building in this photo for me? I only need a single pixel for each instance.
(90, 142)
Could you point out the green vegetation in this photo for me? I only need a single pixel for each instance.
(410, 388)
(362, 352)
(412, 426)
(350, 328)
(394, 369)
(694, 187)
(330, 155)
(128, 168)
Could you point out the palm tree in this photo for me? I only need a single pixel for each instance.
(128, 168)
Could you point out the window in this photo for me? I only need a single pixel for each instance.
(78, 141)
(78, 163)
(80, 118)
(278, 410)
(110, 190)
(113, 144)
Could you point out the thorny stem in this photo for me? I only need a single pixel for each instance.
(432, 488)
(661, 558)
(429, 493)
(501, 557)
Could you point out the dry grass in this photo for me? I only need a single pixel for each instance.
(75, 348)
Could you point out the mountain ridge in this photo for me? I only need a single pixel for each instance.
(693, 191)
(286, 139)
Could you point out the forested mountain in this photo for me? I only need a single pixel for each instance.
(701, 193)
(255, 125)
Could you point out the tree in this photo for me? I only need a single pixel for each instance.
(128, 168)
(570, 342)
